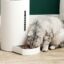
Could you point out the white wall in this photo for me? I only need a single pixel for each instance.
(32, 17)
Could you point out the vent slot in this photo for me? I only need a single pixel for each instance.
(25, 20)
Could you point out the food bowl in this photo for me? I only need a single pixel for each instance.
(26, 51)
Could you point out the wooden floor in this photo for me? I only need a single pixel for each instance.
(50, 57)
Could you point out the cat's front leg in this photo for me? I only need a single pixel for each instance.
(55, 42)
(45, 46)
(46, 42)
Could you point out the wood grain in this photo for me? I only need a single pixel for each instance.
(50, 57)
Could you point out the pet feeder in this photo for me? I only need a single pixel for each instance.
(26, 51)
(14, 15)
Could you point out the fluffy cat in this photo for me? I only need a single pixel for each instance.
(47, 32)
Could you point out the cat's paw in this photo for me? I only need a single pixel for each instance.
(52, 47)
(44, 49)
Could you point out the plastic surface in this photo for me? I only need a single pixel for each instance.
(12, 25)
(26, 51)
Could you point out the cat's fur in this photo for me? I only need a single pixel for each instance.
(46, 32)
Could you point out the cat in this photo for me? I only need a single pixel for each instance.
(47, 32)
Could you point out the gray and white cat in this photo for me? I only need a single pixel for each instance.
(47, 32)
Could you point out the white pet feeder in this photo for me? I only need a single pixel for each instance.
(23, 51)
(12, 25)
